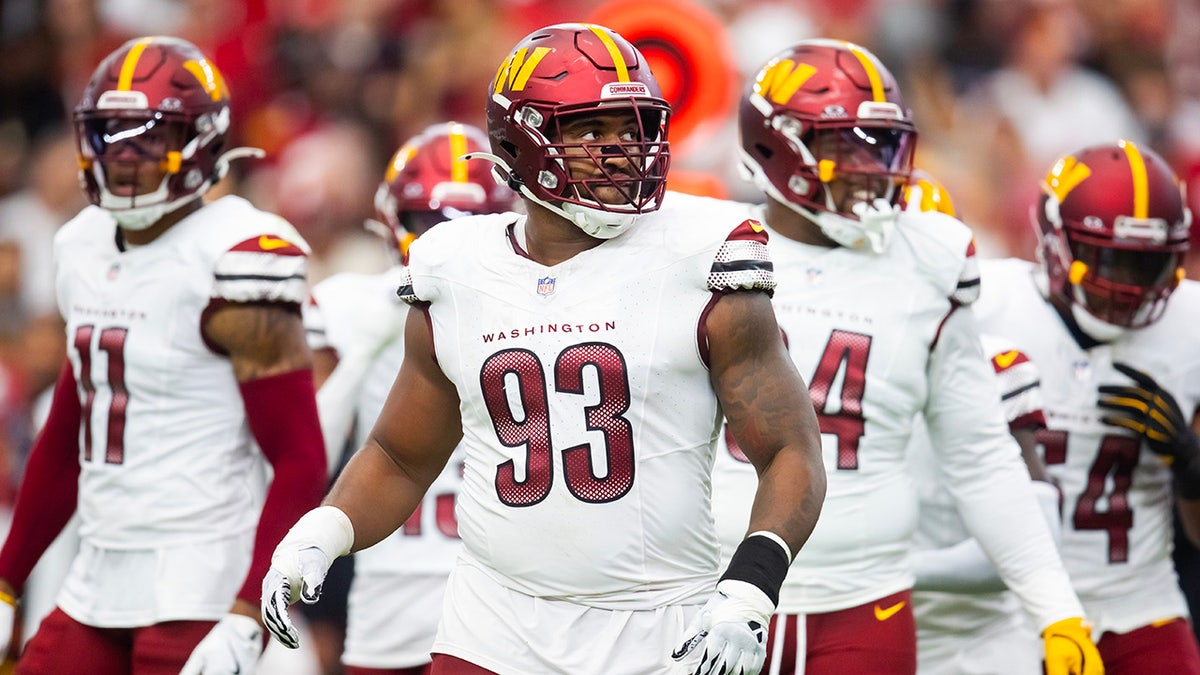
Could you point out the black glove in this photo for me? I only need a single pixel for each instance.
(1151, 412)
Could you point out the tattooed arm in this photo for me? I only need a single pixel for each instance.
(273, 366)
(769, 412)
(260, 339)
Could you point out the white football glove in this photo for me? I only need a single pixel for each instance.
(299, 565)
(232, 647)
(8, 620)
(732, 629)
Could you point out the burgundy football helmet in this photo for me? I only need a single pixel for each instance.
(826, 111)
(154, 98)
(429, 181)
(1113, 227)
(563, 72)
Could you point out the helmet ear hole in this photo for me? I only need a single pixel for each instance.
(509, 149)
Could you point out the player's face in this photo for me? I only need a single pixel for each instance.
(597, 139)
(132, 152)
(861, 157)
(1126, 272)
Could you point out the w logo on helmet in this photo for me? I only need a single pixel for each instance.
(780, 80)
(516, 70)
(1065, 175)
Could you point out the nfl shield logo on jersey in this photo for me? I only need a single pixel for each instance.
(545, 286)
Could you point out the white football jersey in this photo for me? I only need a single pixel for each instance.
(955, 615)
(862, 330)
(1117, 498)
(167, 457)
(588, 415)
(408, 569)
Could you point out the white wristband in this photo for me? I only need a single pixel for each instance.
(327, 528)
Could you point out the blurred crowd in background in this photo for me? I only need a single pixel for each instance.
(329, 88)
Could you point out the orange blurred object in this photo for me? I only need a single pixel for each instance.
(688, 50)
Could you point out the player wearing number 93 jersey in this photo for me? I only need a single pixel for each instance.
(1111, 324)
(583, 353)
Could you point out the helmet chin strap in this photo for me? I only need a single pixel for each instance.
(1097, 329)
(142, 217)
(872, 232)
(222, 164)
(1091, 326)
(594, 222)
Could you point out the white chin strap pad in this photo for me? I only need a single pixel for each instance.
(1097, 329)
(872, 231)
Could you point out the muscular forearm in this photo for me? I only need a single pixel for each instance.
(791, 490)
(376, 494)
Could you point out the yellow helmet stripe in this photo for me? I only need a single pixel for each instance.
(458, 148)
(618, 60)
(872, 73)
(209, 77)
(125, 80)
(1141, 190)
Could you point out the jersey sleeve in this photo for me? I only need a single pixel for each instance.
(266, 268)
(315, 332)
(966, 291)
(405, 288)
(1020, 389)
(984, 471)
(743, 261)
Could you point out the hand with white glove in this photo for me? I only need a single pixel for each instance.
(732, 630)
(8, 621)
(299, 565)
(232, 647)
(294, 575)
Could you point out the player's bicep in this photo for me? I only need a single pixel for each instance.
(420, 423)
(764, 399)
(261, 339)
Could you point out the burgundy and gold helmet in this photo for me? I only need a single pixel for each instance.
(429, 180)
(155, 98)
(824, 111)
(563, 72)
(1113, 228)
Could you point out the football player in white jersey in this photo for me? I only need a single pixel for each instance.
(871, 301)
(396, 593)
(584, 355)
(968, 623)
(1111, 323)
(186, 355)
